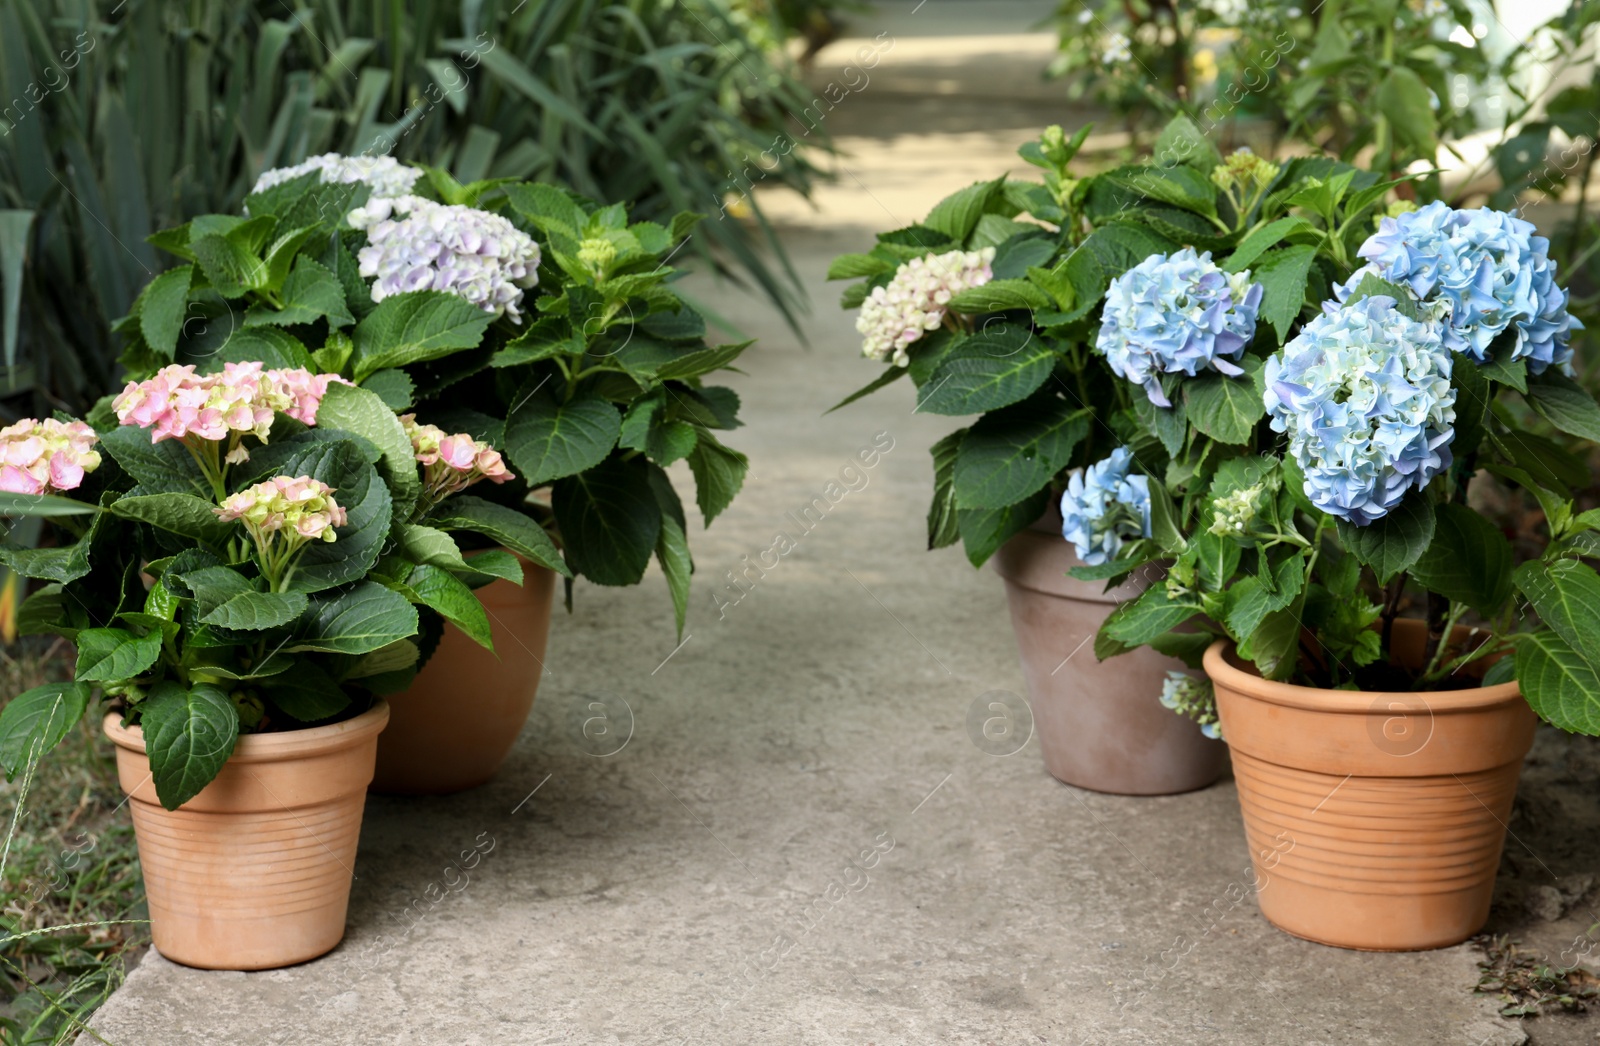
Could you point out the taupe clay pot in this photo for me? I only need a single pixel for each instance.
(1101, 724)
(254, 872)
(1375, 820)
(456, 723)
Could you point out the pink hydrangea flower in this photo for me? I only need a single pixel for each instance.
(452, 462)
(300, 505)
(242, 398)
(42, 457)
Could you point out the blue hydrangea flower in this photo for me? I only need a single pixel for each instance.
(1104, 506)
(1364, 393)
(1176, 314)
(1195, 698)
(1484, 271)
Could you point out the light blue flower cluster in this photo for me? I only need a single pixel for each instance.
(1104, 506)
(1195, 698)
(1364, 393)
(1176, 314)
(1485, 272)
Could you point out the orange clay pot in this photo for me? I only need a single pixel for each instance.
(455, 725)
(1375, 820)
(1101, 724)
(254, 872)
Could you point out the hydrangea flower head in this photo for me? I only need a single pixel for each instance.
(1192, 697)
(415, 244)
(452, 462)
(1484, 271)
(917, 299)
(386, 175)
(1244, 169)
(300, 507)
(1104, 506)
(177, 403)
(1177, 314)
(44, 457)
(1364, 393)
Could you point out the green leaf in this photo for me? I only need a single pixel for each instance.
(546, 440)
(362, 412)
(1273, 644)
(1405, 100)
(188, 735)
(396, 656)
(1217, 558)
(253, 611)
(609, 520)
(1566, 594)
(672, 552)
(700, 361)
(994, 368)
(890, 374)
(505, 526)
(162, 467)
(1502, 368)
(162, 309)
(854, 266)
(1282, 274)
(957, 214)
(1248, 601)
(1558, 683)
(42, 505)
(183, 514)
(1165, 527)
(1140, 620)
(1468, 561)
(1011, 453)
(1170, 425)
(441, 590)
(999, 295)
(1391, 543)
(943, 528)
(1227, 408)
(306, 693)
(356, 620)
(983, 530)
(416, 326)
(1270, 235)
(231, 269)
(1181, 141)
(394, 387)
(111, 655)
(364, 497)
(35, 721)
(312, 292)
(1565, 404)
(719, 473)
(15, 226)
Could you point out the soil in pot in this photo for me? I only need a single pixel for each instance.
(456, 723)
(1375, 820)
(254, 872)
(1101, 724)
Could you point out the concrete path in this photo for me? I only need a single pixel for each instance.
(790, 837)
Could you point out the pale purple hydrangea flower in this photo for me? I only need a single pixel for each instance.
(1104, 506)
(1364, 393)
(1483, 272)
(415, 244)
(386, 175)
(915, 301)
(1177, 314)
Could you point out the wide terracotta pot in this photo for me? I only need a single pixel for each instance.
(1375, 820)
(456, 723)
(1101, 724)
(254, 872)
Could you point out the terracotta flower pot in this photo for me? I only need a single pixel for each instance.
(1375, 820)
(455, 725)
(1101, 724)
(254, 872)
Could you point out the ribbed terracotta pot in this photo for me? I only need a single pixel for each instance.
(254, 872)
(1101, 724)
(1375, 820)
(456, 723)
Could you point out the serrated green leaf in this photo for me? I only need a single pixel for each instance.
(35, 721)
(188, 736)
(357, 620)
(414, 327)
(1391, 543)
(547, 440)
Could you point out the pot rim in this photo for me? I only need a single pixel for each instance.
(274, 747)
(1219, 665)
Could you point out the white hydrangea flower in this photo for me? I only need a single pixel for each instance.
(914, 302)
(415, 244)
(1118, 49)
(386, 175)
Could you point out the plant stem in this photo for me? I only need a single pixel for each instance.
(1448, 627)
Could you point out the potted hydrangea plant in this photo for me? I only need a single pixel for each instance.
(1110, 332)
(526, 336)
(222, 567)
(1376, 649)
